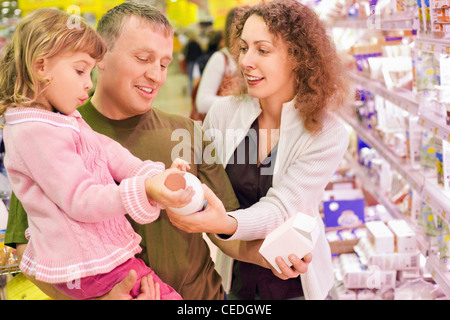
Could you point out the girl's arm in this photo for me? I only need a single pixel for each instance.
(123, 164)
(45, 164)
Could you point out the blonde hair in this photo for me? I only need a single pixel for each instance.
(44, 33)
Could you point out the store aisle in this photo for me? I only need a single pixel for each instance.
(173, 96)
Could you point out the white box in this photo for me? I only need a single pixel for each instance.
(405, 237)
(297, 235)
(381, 237)
(396, 261)
(386, 261)
(358, 276)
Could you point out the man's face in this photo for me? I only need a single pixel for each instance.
(132, 73)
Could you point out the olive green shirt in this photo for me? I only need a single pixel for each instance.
(180, 259)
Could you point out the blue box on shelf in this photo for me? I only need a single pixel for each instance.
(343, 208)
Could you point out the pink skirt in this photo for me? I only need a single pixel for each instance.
(98, 285)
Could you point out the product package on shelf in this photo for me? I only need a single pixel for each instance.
(428, 154)
(343, 208)
(443, 164)
(413, 134)
(433, 85)
(405, 237)
(387, 261)
(439, 13)
(343, 240)
(355, 275)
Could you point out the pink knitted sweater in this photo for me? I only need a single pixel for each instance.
(76, 186)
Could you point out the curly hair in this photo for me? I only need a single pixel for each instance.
(321, 79)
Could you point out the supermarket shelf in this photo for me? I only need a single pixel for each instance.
(406, 100)
(433, 45)
(373, 188)
(439, 273)
(376, 22)
(383, 199)
(403, 98)
(9, 269)
(440, 131)
(428, 189)
(433, 264)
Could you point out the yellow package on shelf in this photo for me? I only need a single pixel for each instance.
(20, 288)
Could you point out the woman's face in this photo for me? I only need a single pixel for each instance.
(264, 62)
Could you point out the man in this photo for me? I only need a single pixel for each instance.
(140, 43)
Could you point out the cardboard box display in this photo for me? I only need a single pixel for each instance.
(339, 240)
(297, 235)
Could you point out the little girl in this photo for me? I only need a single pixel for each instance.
(75, 184)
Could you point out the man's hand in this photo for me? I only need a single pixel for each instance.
(121, 291)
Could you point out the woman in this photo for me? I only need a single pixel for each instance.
(292, 141)
(219, 73)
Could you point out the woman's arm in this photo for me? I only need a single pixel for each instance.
(248, 251)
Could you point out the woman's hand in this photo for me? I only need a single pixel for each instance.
(248, 251)
(298, 267)
(213, 219)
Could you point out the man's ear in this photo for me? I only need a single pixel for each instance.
(101, 65)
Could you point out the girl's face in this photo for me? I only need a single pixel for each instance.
(69, 76)
(264, 62)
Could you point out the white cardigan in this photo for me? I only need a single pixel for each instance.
(303, 167)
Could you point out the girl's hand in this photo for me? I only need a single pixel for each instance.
(180, 164)
(158, 192)
(213, 219)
